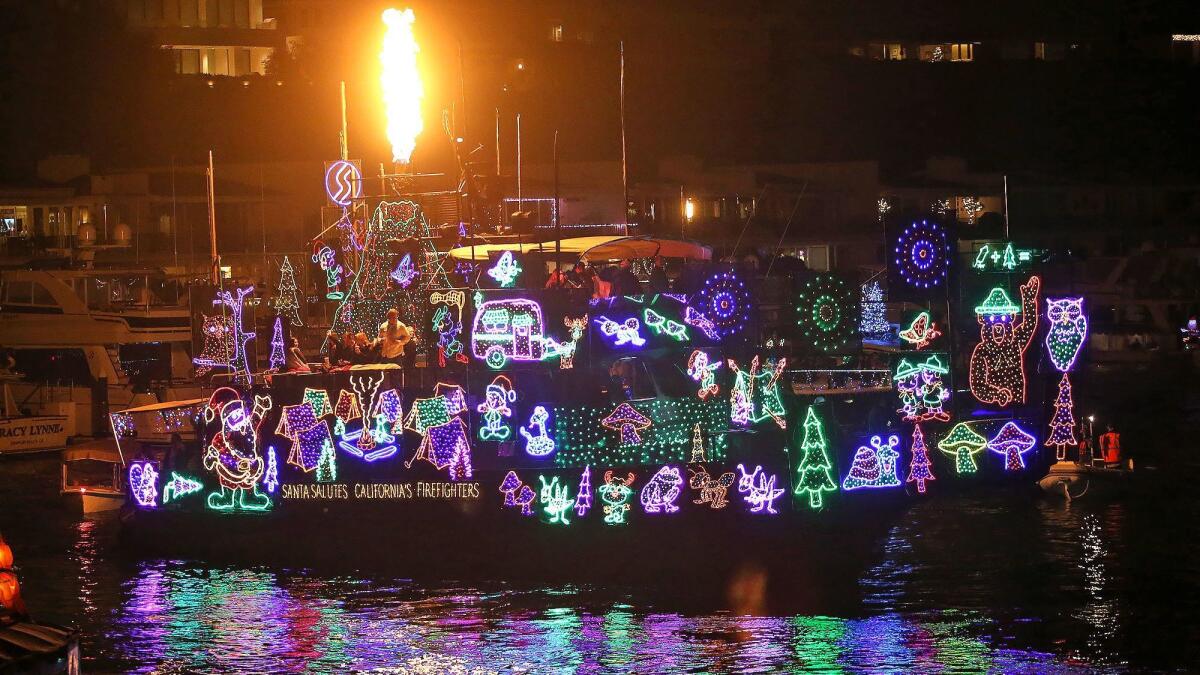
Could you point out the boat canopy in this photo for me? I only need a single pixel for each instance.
(168, 405)
(596, 248)
(102, 450)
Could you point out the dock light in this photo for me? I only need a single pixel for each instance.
(689, 209)
(1091, 418)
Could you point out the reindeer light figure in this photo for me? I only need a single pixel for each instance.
(712, 490)
(575, 327)
(615, 493)
(760, 490)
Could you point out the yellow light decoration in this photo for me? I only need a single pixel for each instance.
(402, 90)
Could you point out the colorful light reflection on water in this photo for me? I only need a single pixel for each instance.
(1027, 586)
(177, 617)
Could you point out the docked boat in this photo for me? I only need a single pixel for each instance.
(92, 476)
(85, 342)
(22, 431)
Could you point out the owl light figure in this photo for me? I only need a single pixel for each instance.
(1068, 330)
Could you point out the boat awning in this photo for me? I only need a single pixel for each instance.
(103, 450)
(167, 405)
(595, 248)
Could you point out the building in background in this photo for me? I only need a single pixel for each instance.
(208, 37)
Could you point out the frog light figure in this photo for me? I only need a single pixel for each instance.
(495, 410)
(615, 493)
(555, 502)
(661, 491)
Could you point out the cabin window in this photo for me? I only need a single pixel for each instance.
(20, 292)
(41, 296)
(54, 365)
(630, 380)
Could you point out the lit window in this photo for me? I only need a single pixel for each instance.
(556, 33)
(894, 51)
(962, 52)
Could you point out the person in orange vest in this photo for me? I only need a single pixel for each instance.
(12, 607)
(1110, 446)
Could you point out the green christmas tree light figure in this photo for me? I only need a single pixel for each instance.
(286, 304)
(326, 464)
(814, 476)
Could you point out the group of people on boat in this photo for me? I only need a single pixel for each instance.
(352, 349)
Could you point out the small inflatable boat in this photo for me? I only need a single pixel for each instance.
(1072, 481)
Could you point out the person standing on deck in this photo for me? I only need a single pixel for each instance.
(393, 335)
(1110, 446)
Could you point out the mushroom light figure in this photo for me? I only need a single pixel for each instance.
(629, 422)
(963, 442)
(1012, 442)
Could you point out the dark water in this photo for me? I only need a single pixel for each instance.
(992, 581)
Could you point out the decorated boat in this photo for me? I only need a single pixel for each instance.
(538, 427)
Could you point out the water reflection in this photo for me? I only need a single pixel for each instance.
(971, 582)
(176, 617)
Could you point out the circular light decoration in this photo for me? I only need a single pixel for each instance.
(722, 307)
(343, 182)
(825, 312)
(923, 254)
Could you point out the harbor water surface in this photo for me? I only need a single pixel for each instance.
(995, 580)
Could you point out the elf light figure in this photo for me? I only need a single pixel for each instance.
(326, 259)
(505, 270)
(539, 444)
(997, 370)
(495, 410)
(700, 370)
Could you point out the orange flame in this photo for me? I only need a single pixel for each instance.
(402, 90)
